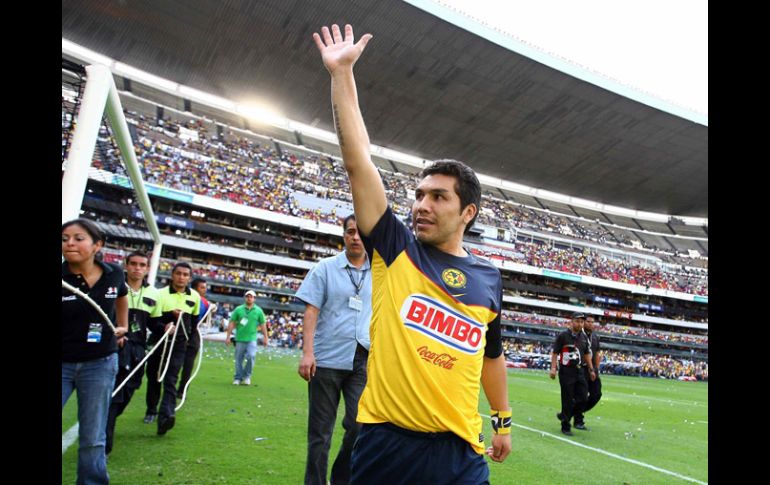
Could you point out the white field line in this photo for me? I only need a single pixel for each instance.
(69, 437)
(612, 455)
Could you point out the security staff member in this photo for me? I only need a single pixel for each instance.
(175, 298)
(143, 312)
(571, 350)
(594, 386)
(194, 344)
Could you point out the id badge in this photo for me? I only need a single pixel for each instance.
(135, 327)
(355, 303)
(244, 321)
(94, 333)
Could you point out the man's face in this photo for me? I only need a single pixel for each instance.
(436, 214)
(577, 324)
(180, 277)
(201, 288)
(137, 268)
(250, 300)
(589, 324)
(353, 245)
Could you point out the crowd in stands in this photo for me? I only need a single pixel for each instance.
(607, 328)
(241, 170)
(537, 355)
(238, 276)
(589, 262)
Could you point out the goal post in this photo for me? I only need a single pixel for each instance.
(100, 98)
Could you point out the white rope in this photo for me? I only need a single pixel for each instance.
(207, 319)
(139, 365)
(173, 340)
(89, 300)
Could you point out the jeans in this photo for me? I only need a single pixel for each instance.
(247, 350)
(94, 381)
(324, 395)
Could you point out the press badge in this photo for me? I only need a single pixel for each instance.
(355, 303)
(244, 321)
(94, 333)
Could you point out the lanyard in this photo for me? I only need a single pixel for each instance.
(360, 283)
(132, 294)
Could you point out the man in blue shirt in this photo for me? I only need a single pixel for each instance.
(338, 297)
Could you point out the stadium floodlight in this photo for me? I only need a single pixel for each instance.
(100, 97)
(262, 115)
(206, 98)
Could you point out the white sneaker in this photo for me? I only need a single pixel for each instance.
(236, 382)
(247, 381)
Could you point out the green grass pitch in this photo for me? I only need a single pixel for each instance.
(655, 422)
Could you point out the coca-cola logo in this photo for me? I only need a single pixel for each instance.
(442, 324)
(438, 359)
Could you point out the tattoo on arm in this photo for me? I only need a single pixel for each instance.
(337, 125)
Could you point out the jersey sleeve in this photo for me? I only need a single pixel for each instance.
(388, 237)
(494, 345)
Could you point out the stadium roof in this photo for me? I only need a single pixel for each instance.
(426, 87)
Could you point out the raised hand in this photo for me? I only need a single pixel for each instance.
(337, 52)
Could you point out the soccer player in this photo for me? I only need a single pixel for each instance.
(435, 330)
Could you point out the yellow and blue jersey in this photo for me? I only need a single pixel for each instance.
(434, 318)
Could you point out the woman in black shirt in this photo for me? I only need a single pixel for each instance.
(89, 344)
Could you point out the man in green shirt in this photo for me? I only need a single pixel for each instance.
(248, 318)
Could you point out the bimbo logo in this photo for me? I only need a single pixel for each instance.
(441, 323)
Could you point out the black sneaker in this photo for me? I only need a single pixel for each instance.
(560, 416)
(150, 418)
(165, 424)
(580, 426)
(567, 432)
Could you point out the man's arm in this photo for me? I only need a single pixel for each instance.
(264, 332)
(229, 331)
(495, 383)
(339, 55)
(121, 318)
(587, 358)
(553, 366)
(307, 363)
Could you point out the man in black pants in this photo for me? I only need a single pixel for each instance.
(194, 344)
(176, 298)
(594, 386)
(572, 351)
(143, 313)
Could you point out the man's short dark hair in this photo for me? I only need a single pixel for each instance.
(198, 280)
(467, 186)
(181, 264)
(140, 254)
(352, 216)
